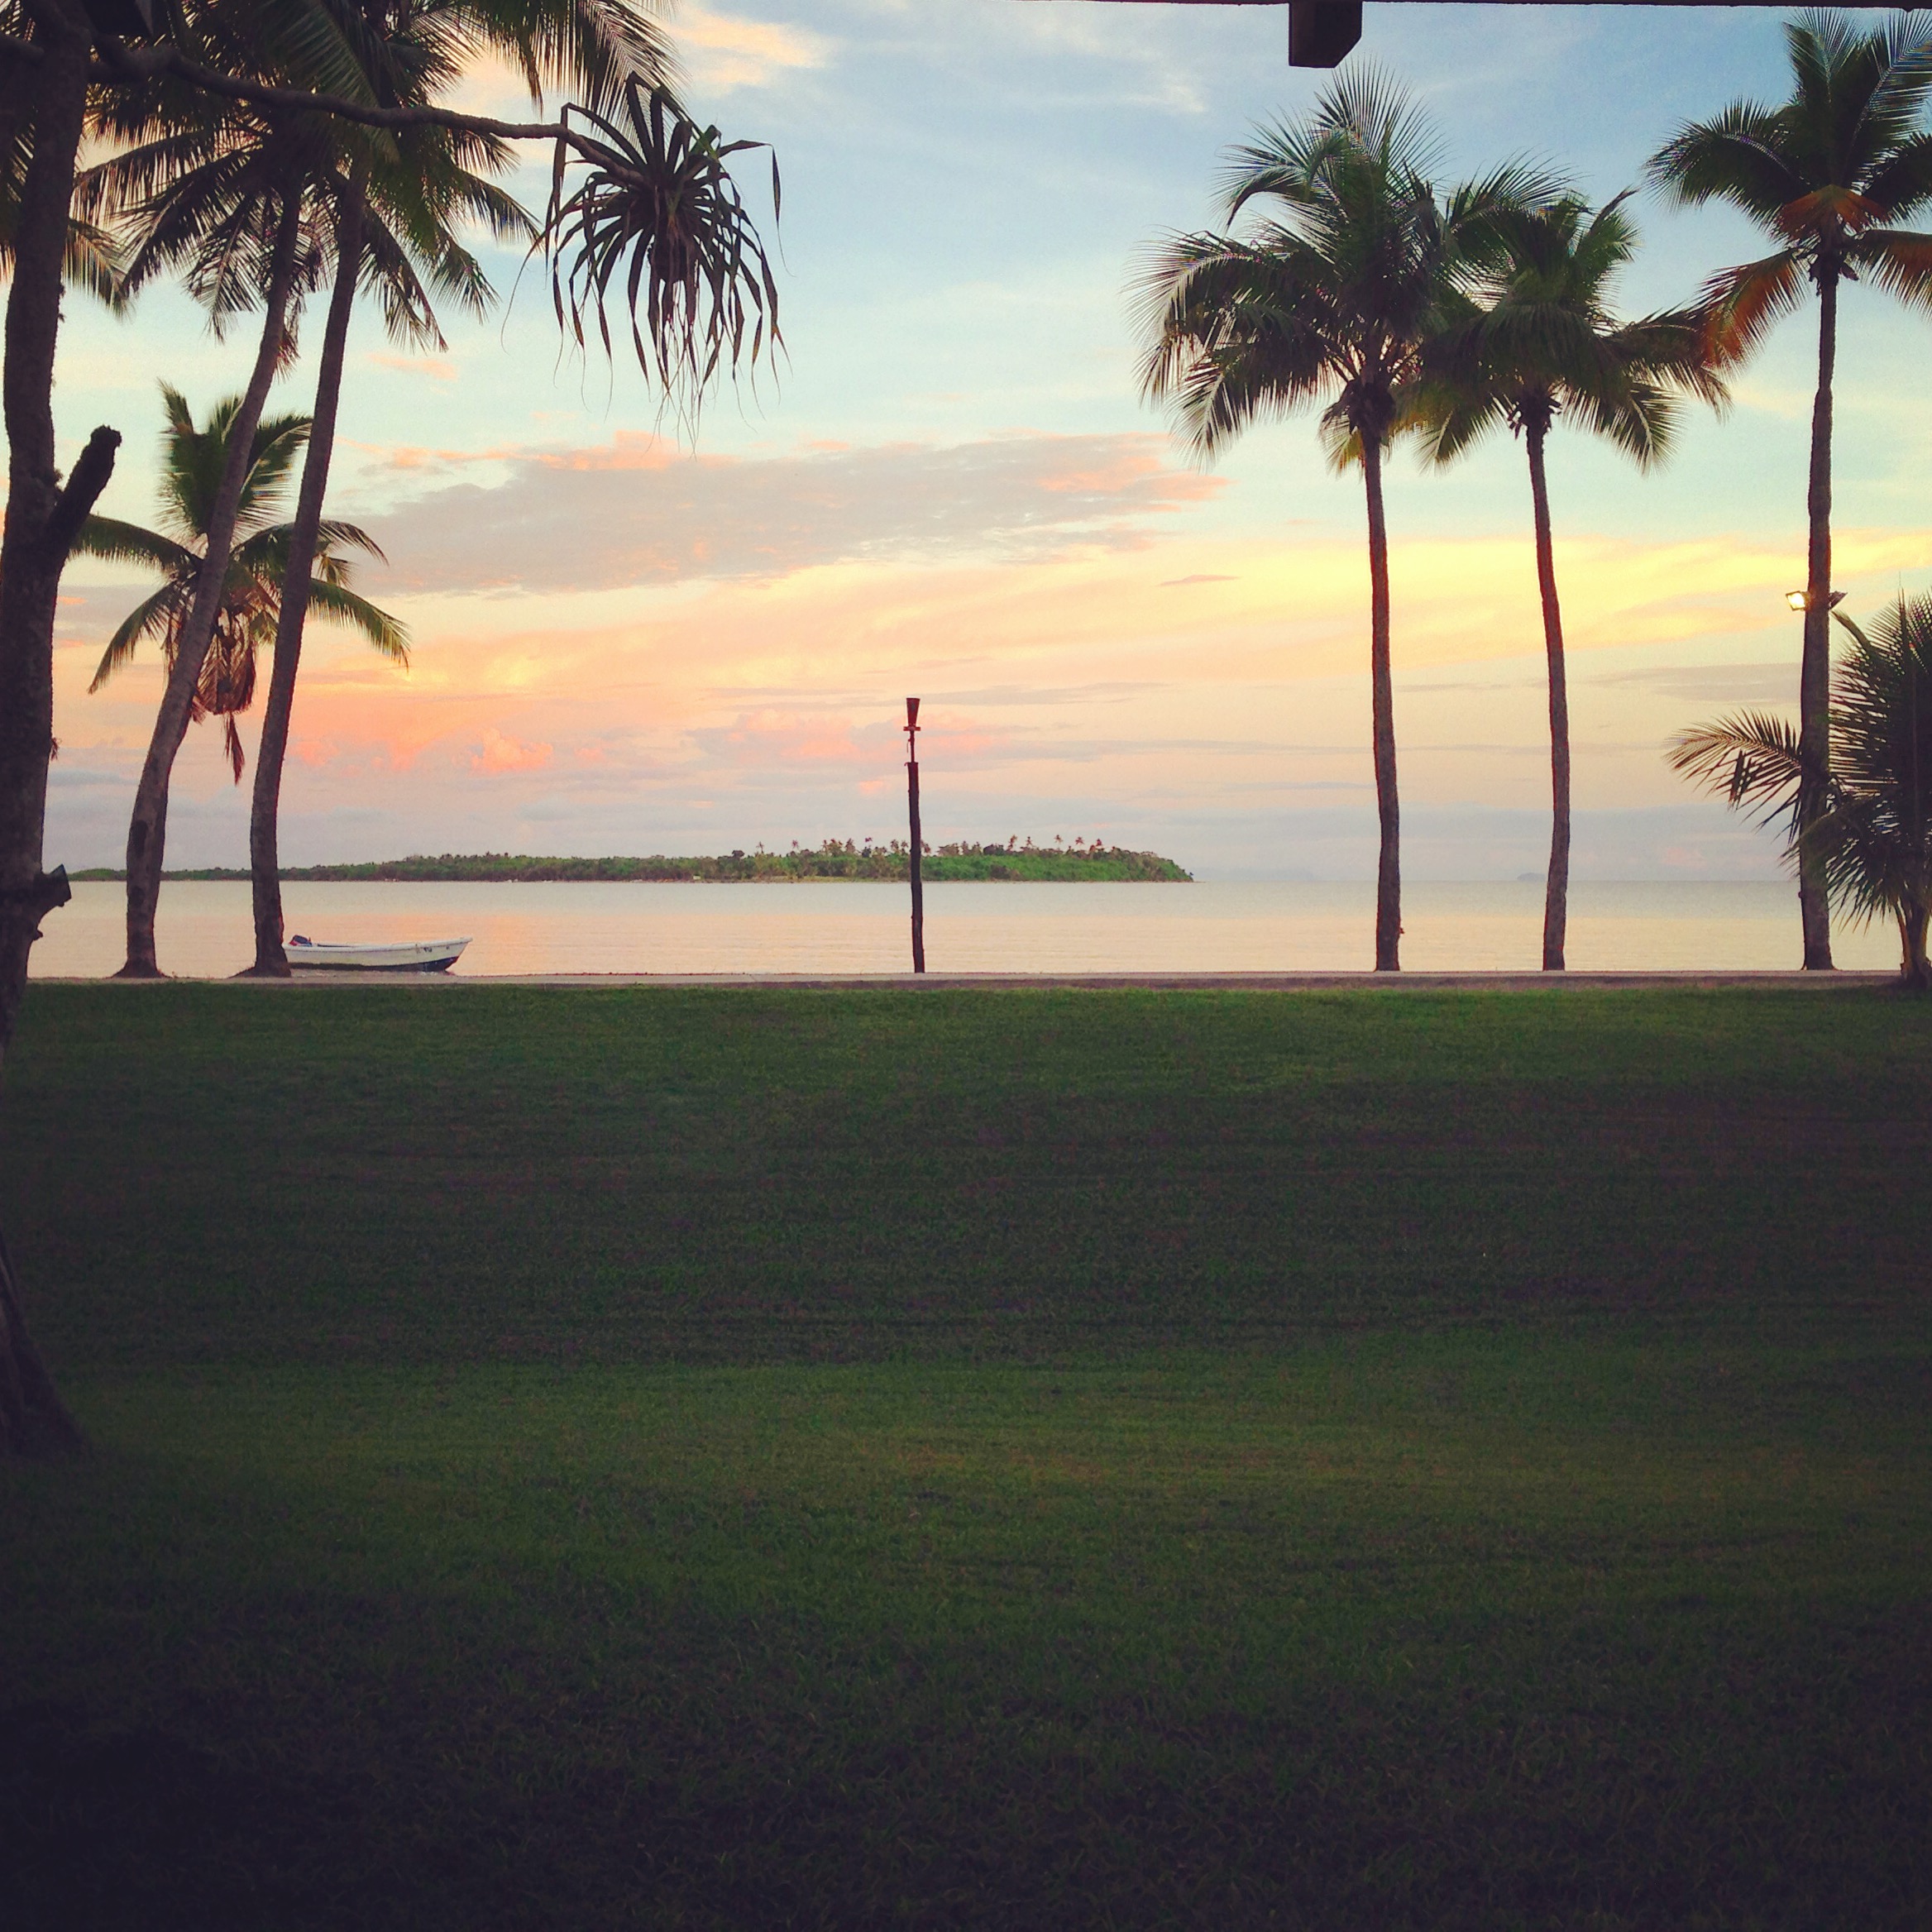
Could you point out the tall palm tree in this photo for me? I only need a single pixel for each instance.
(1329, 300)
(194, 460)
(597, 46)
(1542, 344)
(184, 184)
(1829, 173)
(656, 210)
(397, 208)
(221, 197)
(1866, 817)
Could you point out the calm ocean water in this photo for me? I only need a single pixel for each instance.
(204, 928)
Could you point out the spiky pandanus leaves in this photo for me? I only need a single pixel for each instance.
(1867, 816)
(656, 217)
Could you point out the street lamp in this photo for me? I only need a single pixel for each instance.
(1802, 599)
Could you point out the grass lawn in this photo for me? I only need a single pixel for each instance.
(971, 1458)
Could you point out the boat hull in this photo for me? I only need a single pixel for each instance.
(421, 956)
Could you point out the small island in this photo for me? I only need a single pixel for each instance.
(1020, 861)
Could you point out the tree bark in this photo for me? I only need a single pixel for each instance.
(147, 830)
(264, 827)
(1814, 672)
(42, 519)
(1382, 704)
(1917, 968)
(1556, 887)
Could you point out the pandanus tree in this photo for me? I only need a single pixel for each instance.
(1329, 299)
(1829, 173)
(64, 50)
(1865, 818)
(1540, 344)
(193, 459)
(397, 210)
(654, 209)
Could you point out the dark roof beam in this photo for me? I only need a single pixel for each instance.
(1320, 32)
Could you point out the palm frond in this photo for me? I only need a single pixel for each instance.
(1899, 261)
(380, 630)
(1743, 305)
(1736, 157)
(114, 542)
(157, 615)
(1754, 759)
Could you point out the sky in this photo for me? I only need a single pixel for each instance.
(626, 642)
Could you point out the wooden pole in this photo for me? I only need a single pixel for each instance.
(912, 812)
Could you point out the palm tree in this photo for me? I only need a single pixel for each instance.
(1543, 345)
(1331, 300)
(64, 56)
(1829, 173)
(1866, 817)
(194, 460)
(396, 209)
(185, 184)
(222, 198)
(656, 209)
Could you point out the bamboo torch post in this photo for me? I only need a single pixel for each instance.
(912, 812)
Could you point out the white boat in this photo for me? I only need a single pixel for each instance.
(307, 955)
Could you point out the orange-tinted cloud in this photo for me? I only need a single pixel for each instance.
(634, 512)
(500, 752)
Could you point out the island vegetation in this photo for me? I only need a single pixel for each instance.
(1020, 861)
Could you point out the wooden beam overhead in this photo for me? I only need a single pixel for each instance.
(1320, 32)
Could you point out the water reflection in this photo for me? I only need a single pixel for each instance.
(204, 927)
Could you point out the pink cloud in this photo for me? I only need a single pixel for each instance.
(500, 752)
(635, 511)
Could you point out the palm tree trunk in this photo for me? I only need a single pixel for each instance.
(1382, 699)
(147, 830)
(1814, 672)
(264, 841)
(1917, 968)
(1557, 889)
(42, 520)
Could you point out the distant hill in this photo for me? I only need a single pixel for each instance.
(835, 859)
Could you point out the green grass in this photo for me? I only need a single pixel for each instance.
(960, 1460)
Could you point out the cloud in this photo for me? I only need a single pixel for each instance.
(1737, 684)
(722, 52)
(633, 511)
(1200, 577)
(499, 752)
(436, 368)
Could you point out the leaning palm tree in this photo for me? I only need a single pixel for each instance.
(1866, 817)
(1330, 300)
(193, 461)
(1829, 173)
(390, 216)
(221, 197)
(653, 210)
(1542, 344)
(184, 184)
